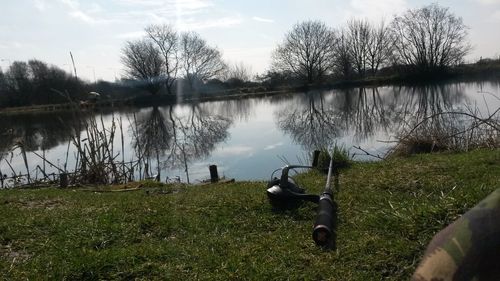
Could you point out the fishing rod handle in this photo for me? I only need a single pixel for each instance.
(324, 227)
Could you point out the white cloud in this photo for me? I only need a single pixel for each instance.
(83, 16)
(193, 4)
(496, 16)
(73, 4)
(178, 4)
(89, 16)
(263, 19)
(191, 24)
(376, 10)
(237, 150)
(273, 146)
(40, 5)
(257, 57)
(159, 11)
(244, 52)
(131, 35)
(14, 45)
(489, 2)
(95, 8)
(187, 14)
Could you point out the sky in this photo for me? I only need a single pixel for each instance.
(245, 31)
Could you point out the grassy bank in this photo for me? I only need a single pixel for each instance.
(388, 213)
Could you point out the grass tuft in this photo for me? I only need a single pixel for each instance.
(341, 158)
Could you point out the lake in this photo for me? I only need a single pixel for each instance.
(248, 138)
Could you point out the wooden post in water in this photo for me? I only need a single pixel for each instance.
(63, 180)
(315, 158)
(214, 175)
(2, 177)
(84, 163)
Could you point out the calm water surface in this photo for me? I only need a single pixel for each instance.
(248, 138)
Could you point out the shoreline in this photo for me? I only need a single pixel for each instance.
(258, 92)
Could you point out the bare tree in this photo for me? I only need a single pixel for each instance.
(200, 61)
(430, 38)
(2, 80)
(362, 48)
(18, 75)
(18, 83)
(166, 39)
(3, 92)
(163, 56)
(381, 46)
(39, 73)
(143, 62)
(239, 71)
(343, 62)
(32, 82)
(359, 37)
(39, 70)
(307, 51)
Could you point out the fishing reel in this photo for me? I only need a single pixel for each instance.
(284, 193)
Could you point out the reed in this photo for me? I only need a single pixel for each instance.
(455, 131)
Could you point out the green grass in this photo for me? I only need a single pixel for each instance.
(388, 212)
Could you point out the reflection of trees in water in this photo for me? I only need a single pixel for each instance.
(493, 86)
(203, 130)
(152, 135)
(22, 133)
(37, 131)
(363, 111)
(317, 120)
(310, 123)
(413, 104)
(179, 137)
(234, 109)
(421, 101)
(6, 142)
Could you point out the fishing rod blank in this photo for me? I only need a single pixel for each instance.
(324, 231)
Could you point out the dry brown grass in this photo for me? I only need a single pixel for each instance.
(449, 131)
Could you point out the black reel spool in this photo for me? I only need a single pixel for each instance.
(284, 193)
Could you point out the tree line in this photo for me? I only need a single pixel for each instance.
(425, 41)
(35, 82)
(172, 61)
(162, 60)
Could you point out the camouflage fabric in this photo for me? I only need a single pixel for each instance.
(468, 249)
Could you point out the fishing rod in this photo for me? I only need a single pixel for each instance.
(324, 227)
(284, 193)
